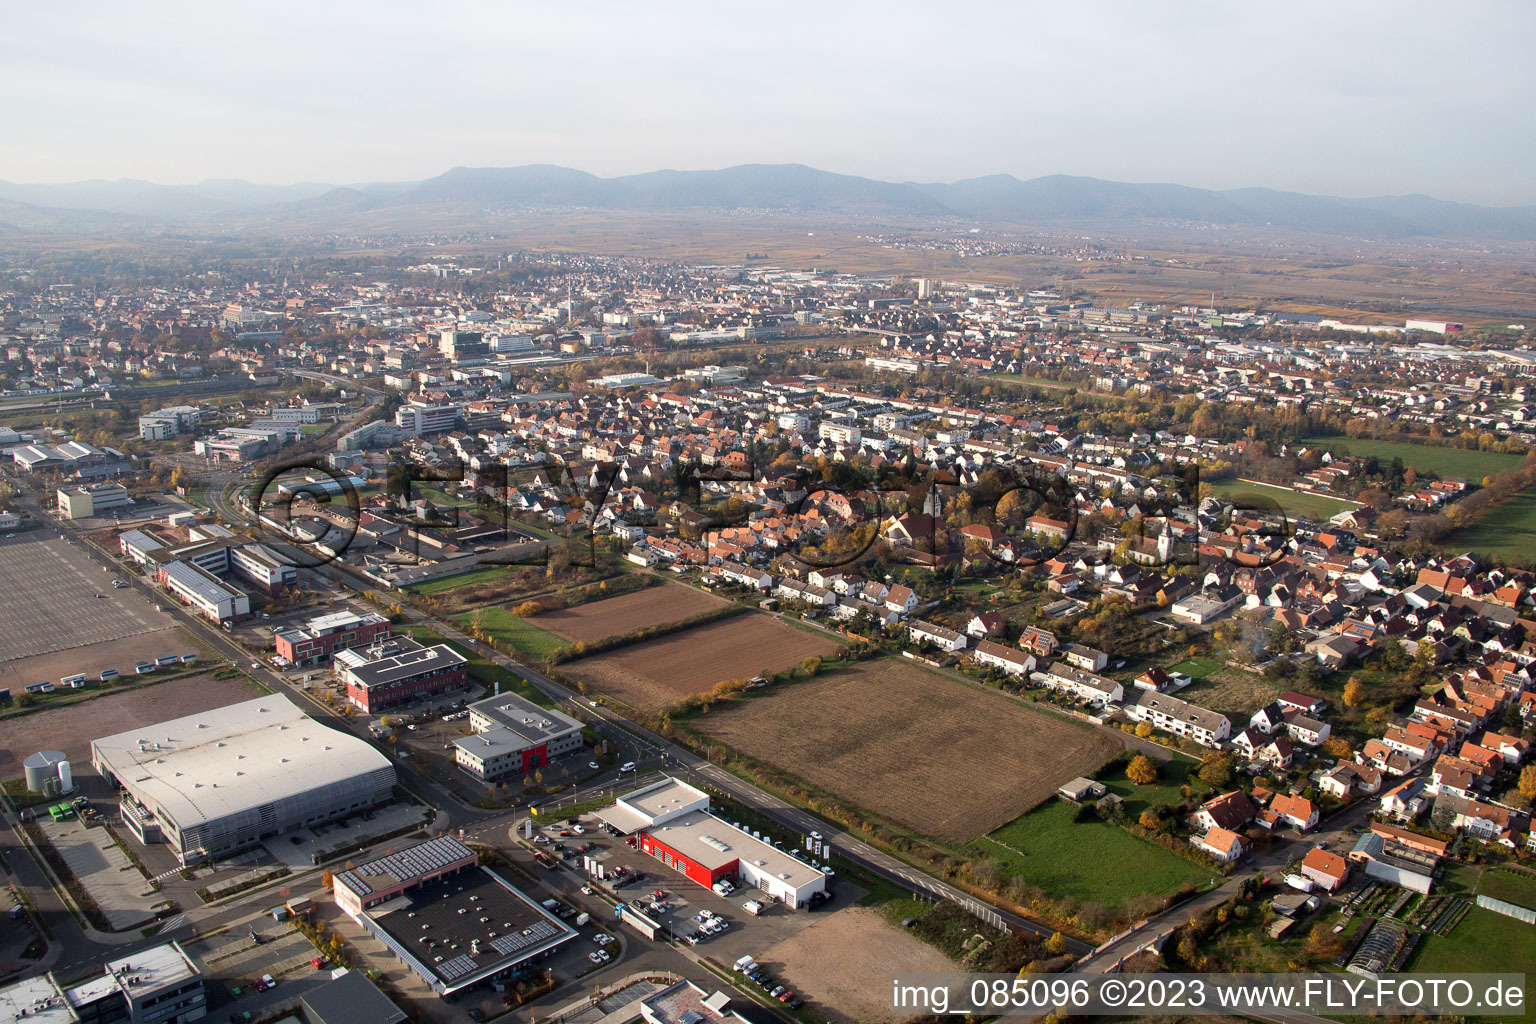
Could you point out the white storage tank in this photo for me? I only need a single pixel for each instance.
(42, 767)
(66, 778)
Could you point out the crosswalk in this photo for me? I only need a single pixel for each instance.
(162, 876)
(173, 923)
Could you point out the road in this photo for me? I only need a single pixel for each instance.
(1335, 833)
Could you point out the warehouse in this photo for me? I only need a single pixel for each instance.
(214, 783)
(675, 826)
(397, 670)
(203, 591)
(513, 736)
(455, 923)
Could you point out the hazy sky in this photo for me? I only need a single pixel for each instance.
(1355, 98)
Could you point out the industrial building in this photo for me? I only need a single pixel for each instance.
(391, 672)
(85, 502)
(514, 736)
(674, 825)
(159, 985)
(455, 923)
(204, 592)
(320, 638)
(217, 782)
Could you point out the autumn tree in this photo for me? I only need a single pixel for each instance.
(1056, 944)
(1150, 820)
(1527, 783)
(1142, 770)
(1216, 771)
(1354, 692)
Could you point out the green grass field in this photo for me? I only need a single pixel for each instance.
(1507, 530)
(1510, 886)
(1292, 503)
(1426, 458)
(487, 674)
(473, 578)
(1482, 942)
(1172, 776)
(1091, 860)
(520, 634)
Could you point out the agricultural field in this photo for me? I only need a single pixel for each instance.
(653, 674)
(1292, 503)
(1507, 530)
(1426, 458)
(1049, 850)
(889, 736)
(671, 602)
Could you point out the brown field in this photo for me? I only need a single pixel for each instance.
(844, 962)
(121, 654)
(656, 673)
(949, 760)
(72, 728)
(671, 602)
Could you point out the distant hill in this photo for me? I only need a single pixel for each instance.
(1054, 200)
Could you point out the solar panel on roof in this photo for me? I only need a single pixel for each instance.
(455, 968)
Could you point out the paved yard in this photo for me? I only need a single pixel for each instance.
(60, 609)
(123, 894)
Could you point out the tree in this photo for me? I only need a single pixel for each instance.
(810, 666)
(1142, 770)
(1150, 820)
(1144, 729)
(1216, 771)
(1056, 944)
(1354, 692)
(1527, 785)
(325, 878)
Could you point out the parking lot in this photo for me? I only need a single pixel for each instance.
(70, 601)
(687, 907)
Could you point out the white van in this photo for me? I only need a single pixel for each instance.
(744, 964)
(626, 767)
(752, 907)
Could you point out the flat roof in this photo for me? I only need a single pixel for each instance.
(36, 1000)
(205, 766)
(204, 584)
(350, 999)
(470, 925)
(714, 843)
(525, 719)
(394, 868)
(152, 968)
(409, 660)
(665, 796)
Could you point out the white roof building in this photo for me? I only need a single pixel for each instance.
(221, 780)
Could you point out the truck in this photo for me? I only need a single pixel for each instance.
(752, 907)
(582, 918)
(744, 964)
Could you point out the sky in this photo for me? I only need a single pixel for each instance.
(1355, 99)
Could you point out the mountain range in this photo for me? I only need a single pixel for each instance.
(999, 199)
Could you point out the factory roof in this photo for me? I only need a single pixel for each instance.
(525, 719)
(231, 759)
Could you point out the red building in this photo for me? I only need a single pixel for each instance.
(705, 874)
(323, 636)
(395, 671)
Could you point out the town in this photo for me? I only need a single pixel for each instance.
(494, 580)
